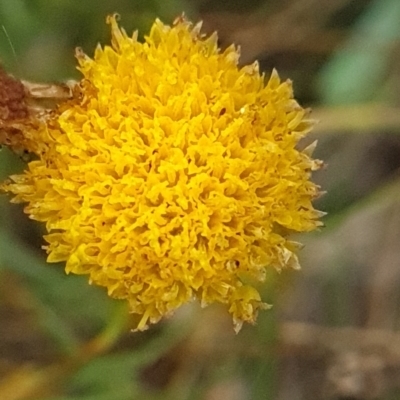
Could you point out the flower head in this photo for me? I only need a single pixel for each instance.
(172, 174)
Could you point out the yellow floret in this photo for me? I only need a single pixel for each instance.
(173, 174)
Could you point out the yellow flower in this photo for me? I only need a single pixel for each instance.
(172, 174)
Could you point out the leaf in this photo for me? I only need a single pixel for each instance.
(357, 71)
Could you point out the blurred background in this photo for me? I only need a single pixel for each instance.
(332, 331)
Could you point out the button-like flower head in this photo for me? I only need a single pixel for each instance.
(172, 174)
